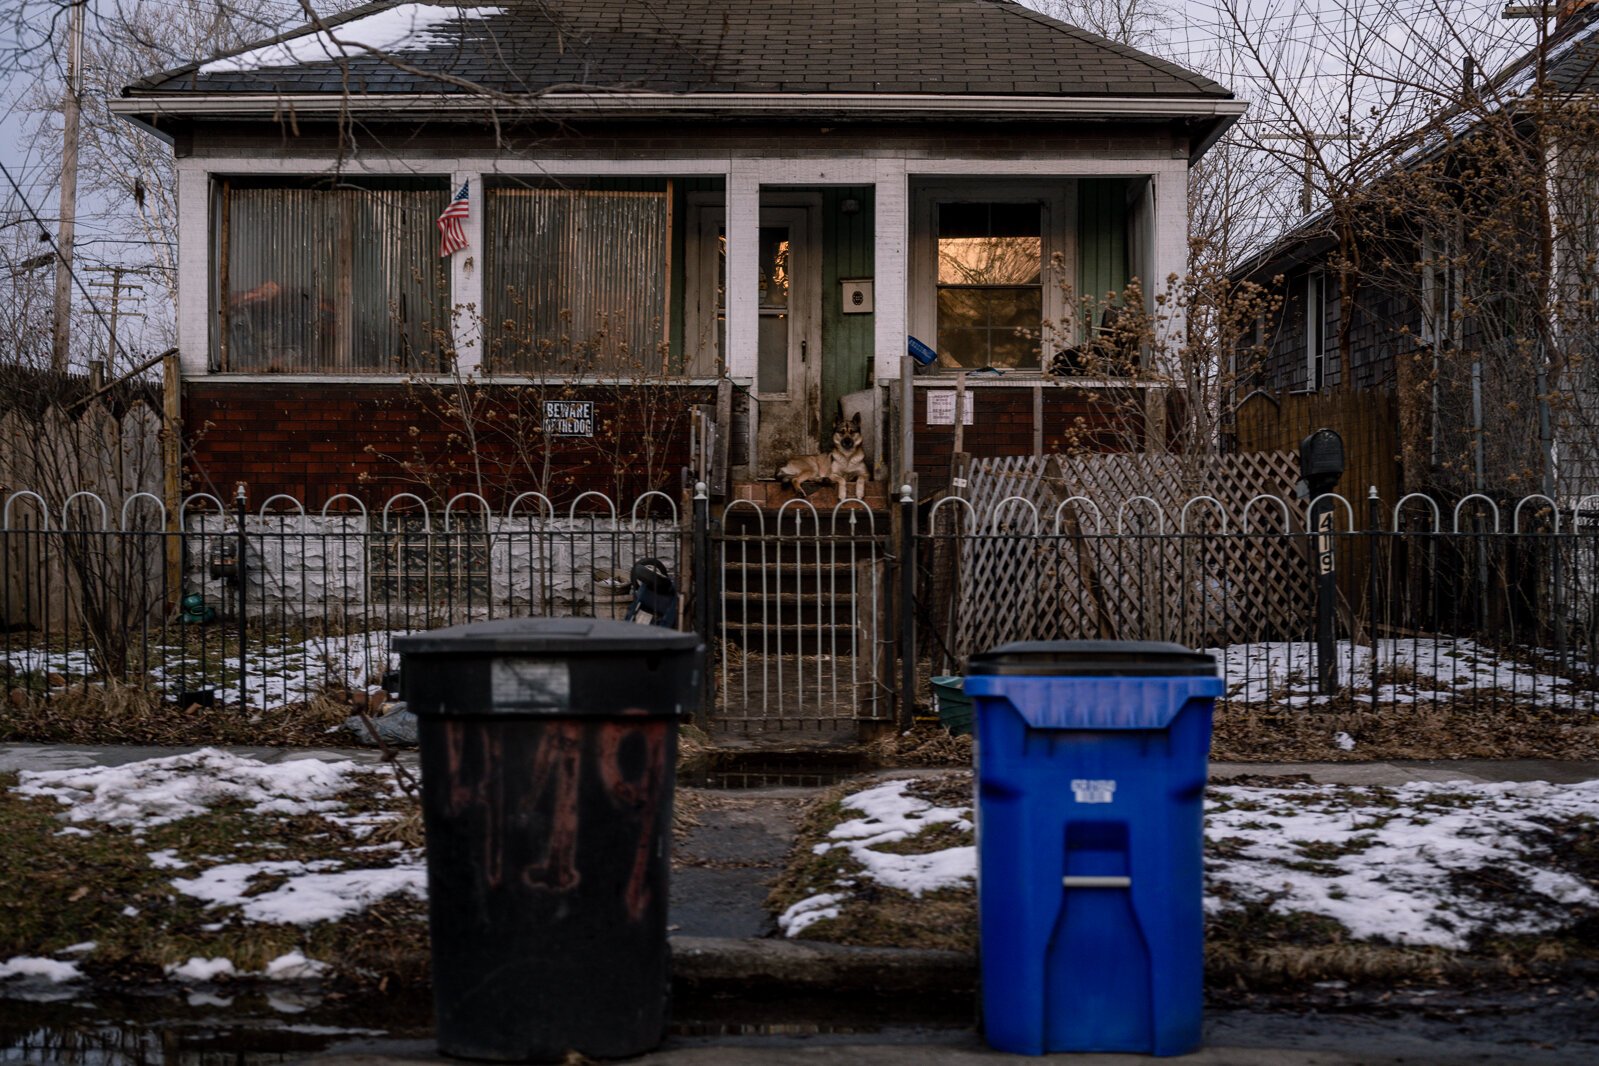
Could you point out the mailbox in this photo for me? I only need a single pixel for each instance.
(1321, 462)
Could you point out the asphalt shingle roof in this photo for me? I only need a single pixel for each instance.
(951, 47)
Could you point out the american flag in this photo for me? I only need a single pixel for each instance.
(452, 234)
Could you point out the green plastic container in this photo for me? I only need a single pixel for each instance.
(954, 706)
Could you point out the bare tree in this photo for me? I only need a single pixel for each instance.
(1135, 23)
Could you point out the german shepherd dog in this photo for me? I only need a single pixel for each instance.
(847, 460)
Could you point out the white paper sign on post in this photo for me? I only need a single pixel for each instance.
(941, 408)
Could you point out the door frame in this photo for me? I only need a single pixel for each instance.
(802, 211)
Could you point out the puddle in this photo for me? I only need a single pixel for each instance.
(193, 1028)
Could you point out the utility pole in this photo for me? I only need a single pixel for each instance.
(1307, 188)
(116, 286)
(69, 189)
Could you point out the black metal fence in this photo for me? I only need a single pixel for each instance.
(817, 619)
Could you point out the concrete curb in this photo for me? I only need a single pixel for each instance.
(811, 966)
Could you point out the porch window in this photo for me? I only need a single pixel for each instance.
(577, 280)
(333, 278)
(990, 283)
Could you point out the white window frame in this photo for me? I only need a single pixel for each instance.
(1058, 196)
(1315, 331)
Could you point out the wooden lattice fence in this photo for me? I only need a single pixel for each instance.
(1129, 547)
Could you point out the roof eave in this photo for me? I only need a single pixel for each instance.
(147, 106)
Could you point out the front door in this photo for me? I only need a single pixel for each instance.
(788, 375)
(788, 378)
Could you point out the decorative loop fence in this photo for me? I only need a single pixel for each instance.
(822, 619)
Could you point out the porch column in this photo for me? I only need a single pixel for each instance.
(467, 311)
(1171, 249)
(890, 317)
(194, 266)
(743, 269)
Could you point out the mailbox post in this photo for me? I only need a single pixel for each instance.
(1321, 464)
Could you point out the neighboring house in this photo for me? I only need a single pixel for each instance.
(1426, 355)
(741, 206)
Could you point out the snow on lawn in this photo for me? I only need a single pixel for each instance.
(142, 795)
(157, 791)
(1408, 671)
(402, 28)
(1422, 864)
(43, 969)
(277, 674)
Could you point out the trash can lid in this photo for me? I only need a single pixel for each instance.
(539, 636)
(1093, 658)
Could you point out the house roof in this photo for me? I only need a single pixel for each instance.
(521, 47)
(1571, 67)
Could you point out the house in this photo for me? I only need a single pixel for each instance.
(1410, 315)
(693, 231)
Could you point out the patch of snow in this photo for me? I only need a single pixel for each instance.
(198, 969)
(1408, 672)
(166, 859)
(294, 967)
(314, 892)
(52, 970)
(1344, 741)
(402, 28)
(808, 912)
(157, 791)
(74, 831)
(130, 911)
(891, 815)
(1388, 864)
(79, 949)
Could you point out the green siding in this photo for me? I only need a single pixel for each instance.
(1102, 264)
(847, 340)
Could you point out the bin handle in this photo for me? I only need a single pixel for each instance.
(1097, 882)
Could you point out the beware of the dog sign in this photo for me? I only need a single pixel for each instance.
(569, 418)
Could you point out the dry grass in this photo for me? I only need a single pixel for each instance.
(121, 714)
(924, 744)
(1460, 730)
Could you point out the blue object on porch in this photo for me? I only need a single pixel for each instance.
(1091, 765)
(920, 352)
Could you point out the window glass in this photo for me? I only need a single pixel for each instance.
(577, 280)
(990, 283)
(343, 279)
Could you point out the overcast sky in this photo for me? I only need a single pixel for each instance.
(1304, 40)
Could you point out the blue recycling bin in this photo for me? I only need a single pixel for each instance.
(1091, 766)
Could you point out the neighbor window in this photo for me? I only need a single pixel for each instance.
(315, 276)
(1315, 331)
(990, 283)
(577, 280)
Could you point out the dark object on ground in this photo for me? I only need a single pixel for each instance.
(654, 595)
(397, 726)
(548, 754)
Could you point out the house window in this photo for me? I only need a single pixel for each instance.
(1315, 331)
(990, 290)
(332, 278)
(577, 280)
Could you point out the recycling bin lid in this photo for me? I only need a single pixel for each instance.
(1092, 658)
(547, 636)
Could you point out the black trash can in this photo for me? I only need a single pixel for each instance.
(548, 753)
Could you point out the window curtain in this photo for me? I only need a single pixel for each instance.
(341, 280)
(577, 280)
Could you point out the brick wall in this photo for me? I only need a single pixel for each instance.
(1101, 420)
(314, 440)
